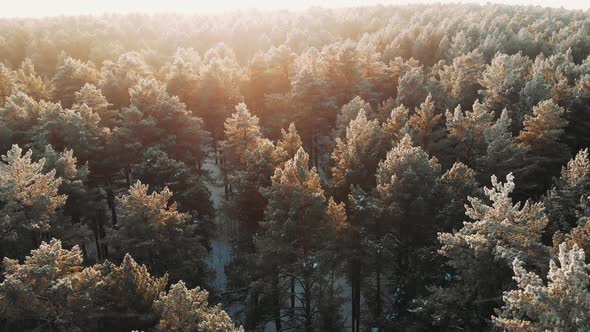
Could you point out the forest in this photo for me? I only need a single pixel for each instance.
(383, 168)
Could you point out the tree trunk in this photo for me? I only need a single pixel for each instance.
(111, 200)
(378, 290)
(307, 296)
(356, 291)
(128, 176)
(276, 304)
(315, 150)
(292, 311)
(225, 186)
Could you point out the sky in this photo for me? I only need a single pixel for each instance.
(40, 8)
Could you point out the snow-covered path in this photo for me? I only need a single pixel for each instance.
(220, 254)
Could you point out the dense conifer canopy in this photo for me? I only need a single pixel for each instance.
(399, 168)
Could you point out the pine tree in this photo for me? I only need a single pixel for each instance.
(563, 199)
(380, 78)
(503, 80)
(182, 77)
(479, 254)
(340, 68)
(75, 224)
(28, 196)
(70, 78)
(241, 133)
(406, 181)
(541, 137)
(535, 91)
(78, 129)
(411, 88)
(577, 115)
(120, 76)
(561, 305)
(396, 126)
(259, 164)
(293, 237)
(218, 92)
(349, 112)
(426, 124)
(355, 158)
(502, 154)
(19, 116)
(156, 119)
(155, 233)
(29, 82)
(183, 309)
(290, 140)
(7, 83)
(466, 131)
(158, 170)
(93, 98)
(36, 289)
(544, 127)
(506, 240)
(249, 203)
(394, 222)
(269, 74)
(456, 184)
(52, 287)
(558, 71)
(578, 235)
(460, 79)
(314, 106)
